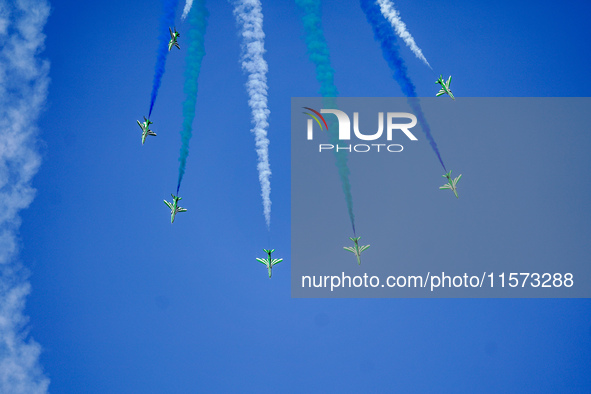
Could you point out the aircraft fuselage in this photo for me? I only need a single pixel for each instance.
(174, 210)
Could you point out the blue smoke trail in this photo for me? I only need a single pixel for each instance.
(385, 35)
(166, 21)
(195, 52)
(320, 56)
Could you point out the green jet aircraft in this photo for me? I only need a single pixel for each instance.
(174, 207)
(356, 250)
(145, 126)
(269, 262)
(173, 37)
(451, 183)
(444, 87)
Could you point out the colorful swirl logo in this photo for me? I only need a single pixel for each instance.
(316, 118)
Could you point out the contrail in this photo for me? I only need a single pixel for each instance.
(195, 53)
(320, 56)
(23, 93)
(393, 16)
(249, 16)
(383, 33)
(166, 22)
(187, 8)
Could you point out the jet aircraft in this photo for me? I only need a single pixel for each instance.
(173, 37)
(174, 207)
(444, 87)
(145, 126)
(356, 249)
(269, 262)
(451, 183)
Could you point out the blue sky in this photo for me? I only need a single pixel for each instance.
(124, 302)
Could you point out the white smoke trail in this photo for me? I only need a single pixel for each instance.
(23, 92)
(249, 16)
(187, 8)
(393, 16)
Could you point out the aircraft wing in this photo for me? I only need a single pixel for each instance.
(448, 82)
(150, 132)
(171, 35)
(350, 249)
(179, 209)
(276, 261)
(362, 248)
(447, 186)
(262, 261)
(139, 124)
(169, 205)
(440, 93)
(457, 179)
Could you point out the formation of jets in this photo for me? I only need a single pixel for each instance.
(444, 87)
(173, 39)
(356, 250)
(451, 183)
(145, 126)
(174, 207)
(269, 262)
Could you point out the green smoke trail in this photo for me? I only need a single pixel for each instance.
(320, 56)
(195, 52)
